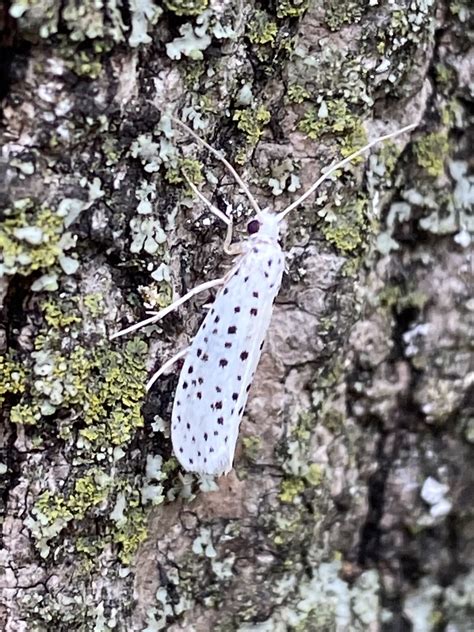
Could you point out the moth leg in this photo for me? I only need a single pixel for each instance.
(229, 248)
(233, 249)
(165, 367)
(163, 312)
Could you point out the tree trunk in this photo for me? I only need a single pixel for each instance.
(350, 505)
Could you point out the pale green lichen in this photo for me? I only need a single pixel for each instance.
(144, 14)
(147, 235)
(202, 544)
(283, 177)
(191, 43)
(100, 22)
(326, 602)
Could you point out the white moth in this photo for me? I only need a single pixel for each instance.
(222, 359)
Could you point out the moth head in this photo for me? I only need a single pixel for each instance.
(253, 226)
(264, 226)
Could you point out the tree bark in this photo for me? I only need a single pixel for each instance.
(350, 505)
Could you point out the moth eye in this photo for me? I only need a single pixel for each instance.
(253, 227)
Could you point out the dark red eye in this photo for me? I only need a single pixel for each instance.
(253, 227)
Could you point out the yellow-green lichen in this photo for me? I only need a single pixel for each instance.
(400, 298)
(191, 167)
(91, 493)
(186, 7)
(12, 377)
(99, 391)
(290, 489)
(131, 529)
(335, 118)
(315, 474)
(431, 152)
(251, 447)
(94, 304)
(337, 14)
(297, 93)
(192, 71)
(347, 226)
(100, 387)
(251, 121)
(291, 8)
(30, 238)
(85, 64)
(445, 77)
(261, 29)
(56, 316)
(389, 154)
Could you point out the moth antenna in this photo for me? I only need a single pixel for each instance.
(225, 162)
(214, 210)
(340, 164)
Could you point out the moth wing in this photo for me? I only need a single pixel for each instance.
(219, 367)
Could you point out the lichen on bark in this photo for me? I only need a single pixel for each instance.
(349, 505)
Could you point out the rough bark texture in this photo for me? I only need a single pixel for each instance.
(350, 507)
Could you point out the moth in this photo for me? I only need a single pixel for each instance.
(222, 358)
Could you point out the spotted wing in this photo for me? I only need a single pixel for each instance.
(219, 367)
